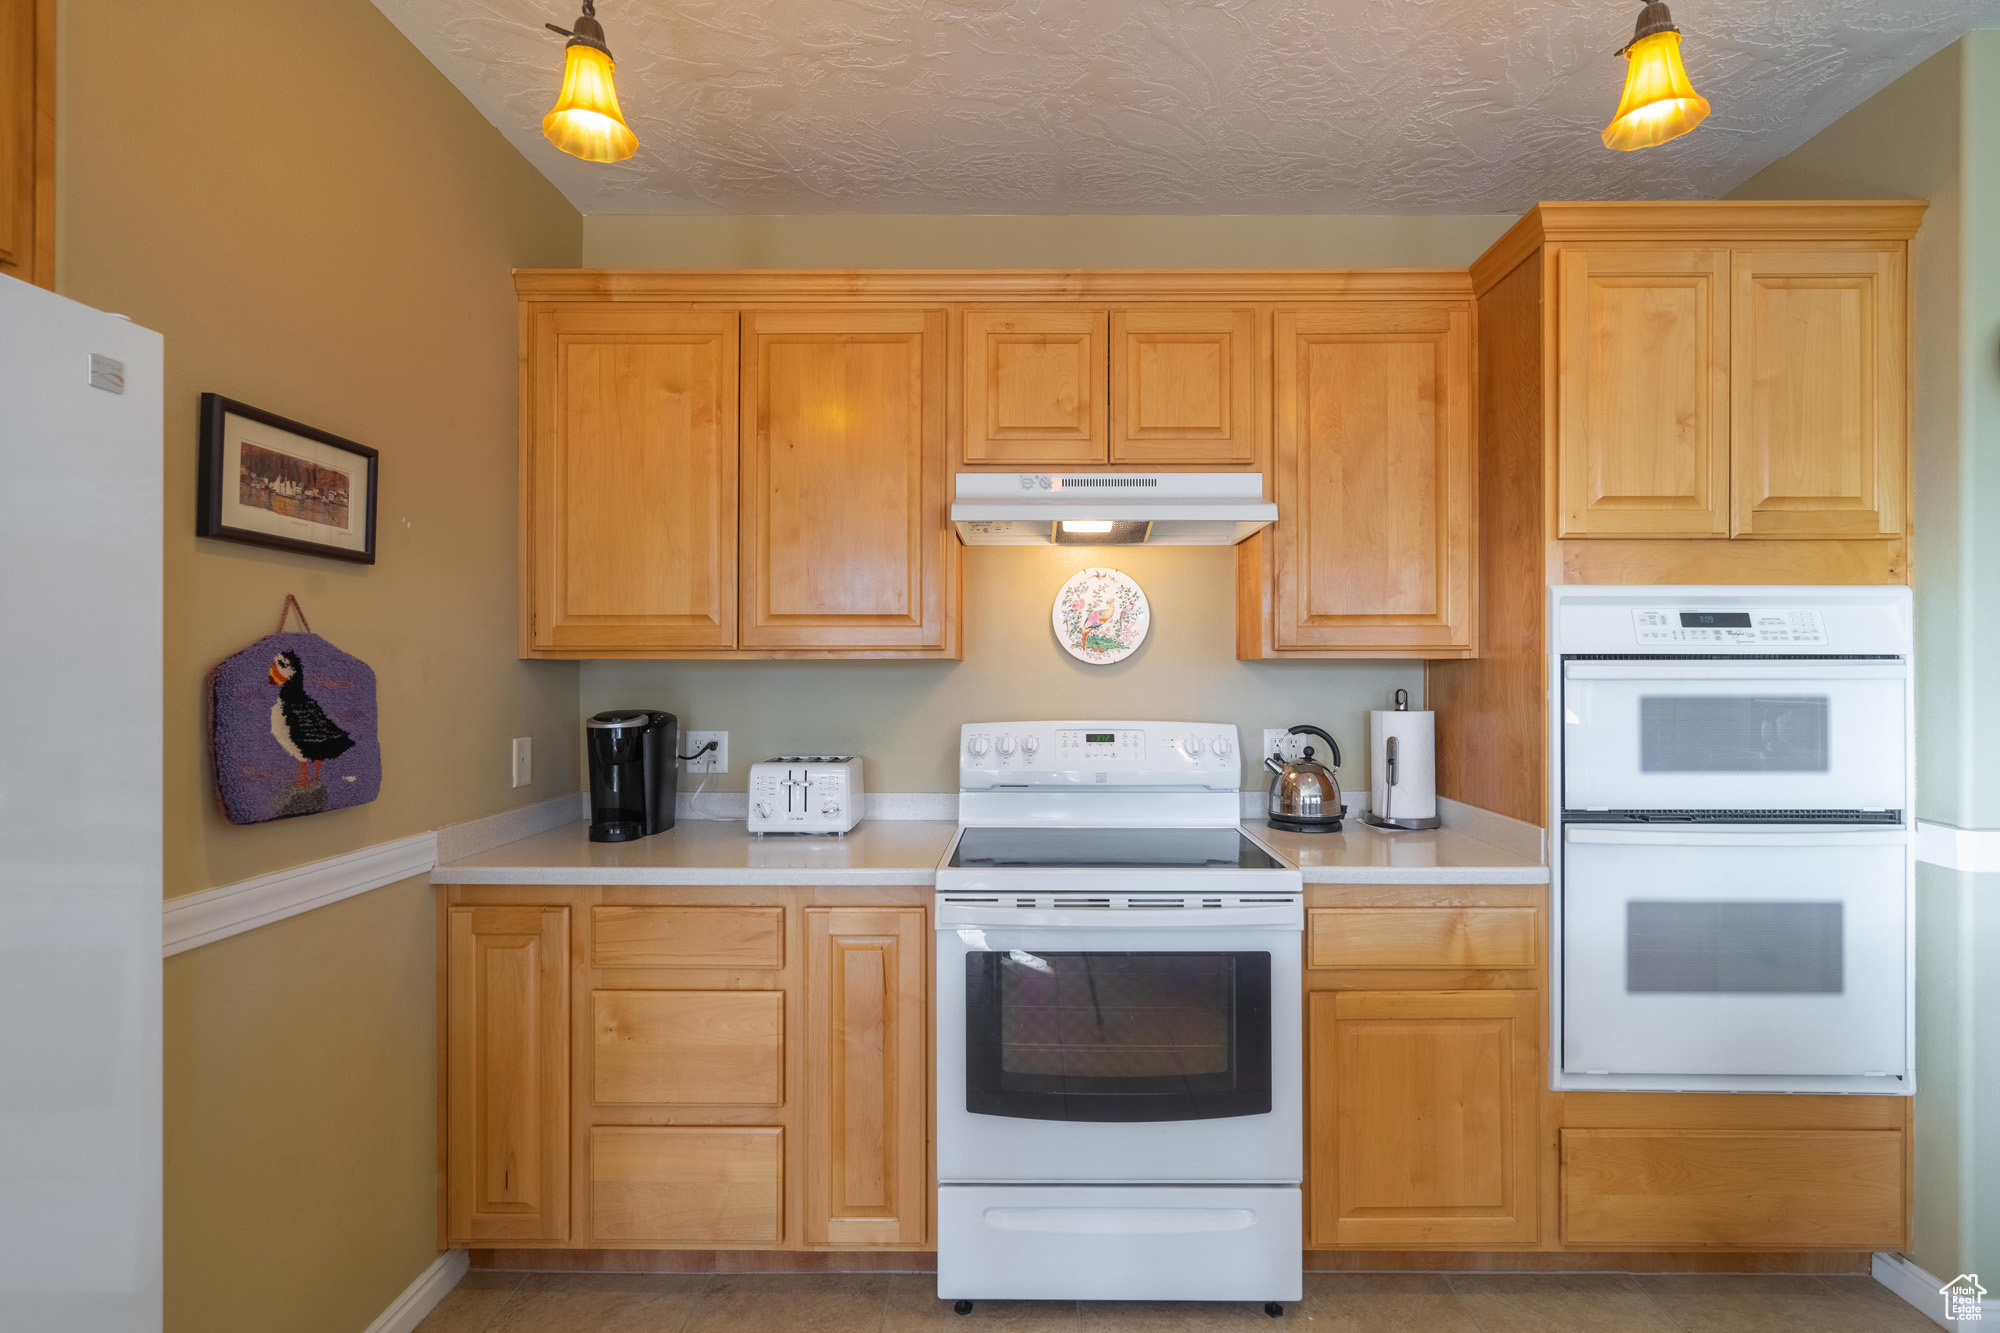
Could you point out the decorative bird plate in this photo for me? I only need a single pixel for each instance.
(1101, 616)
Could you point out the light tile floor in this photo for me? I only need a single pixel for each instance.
(487, 1302)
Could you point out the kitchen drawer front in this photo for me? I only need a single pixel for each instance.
(687, 1186)
(1748, 1189)
(720, 1048)
(1417, 937)
(678, 936)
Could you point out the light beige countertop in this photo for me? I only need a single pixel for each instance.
(1359, 854)
(714, 851)
(907, 851)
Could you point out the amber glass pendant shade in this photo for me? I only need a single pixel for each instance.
(1659, 103)
(586, 122)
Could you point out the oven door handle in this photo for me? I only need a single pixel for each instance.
(1835, 836)
(1747, 669)
(1285, 917)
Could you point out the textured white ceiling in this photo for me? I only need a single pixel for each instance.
(1165, 106)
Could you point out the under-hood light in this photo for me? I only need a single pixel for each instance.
(1101, 532)
(1080, 526)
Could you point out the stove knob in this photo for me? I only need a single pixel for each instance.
(1030, 744)
(1007, 744)
(979, 745)
(1221, 746)
(1192, 745)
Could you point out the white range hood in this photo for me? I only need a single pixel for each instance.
(1110, 508)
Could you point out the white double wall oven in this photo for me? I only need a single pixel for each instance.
(1734, 858)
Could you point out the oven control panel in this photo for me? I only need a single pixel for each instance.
(1758, 627)
(1073, 754)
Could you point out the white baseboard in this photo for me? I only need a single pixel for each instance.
(421, 1297)
(1915, 1286)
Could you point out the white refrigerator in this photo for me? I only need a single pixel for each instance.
(80, 661)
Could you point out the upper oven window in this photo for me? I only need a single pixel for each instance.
(1719, 733)
(1118, 1036)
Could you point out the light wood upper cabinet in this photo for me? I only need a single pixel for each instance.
(28, 140)
(1184, 387)
(1034, 387)
(1643, 413)
(630, 509)
(867, 1149)
(1423, 1117)
(844, 539)
(1373, 478)
(507, 1074)
(1818, 401)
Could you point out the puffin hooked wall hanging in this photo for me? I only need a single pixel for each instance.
(292, 727)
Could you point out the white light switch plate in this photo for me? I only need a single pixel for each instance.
(524, 760)
(716, 760)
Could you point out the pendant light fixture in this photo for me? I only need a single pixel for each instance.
(1659, 103)
(586, 122)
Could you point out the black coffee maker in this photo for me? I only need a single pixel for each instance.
(635, 767)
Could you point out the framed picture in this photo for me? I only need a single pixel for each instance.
(269, 481)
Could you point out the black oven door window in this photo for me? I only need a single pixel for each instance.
(1121, 1037)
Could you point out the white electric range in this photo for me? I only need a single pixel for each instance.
(1120, 1084)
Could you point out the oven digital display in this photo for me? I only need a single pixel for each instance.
(1099, 737)
(1715, 620)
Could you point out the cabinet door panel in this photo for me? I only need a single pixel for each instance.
(1643, 392)
(28, 140)
(1034, 387)
(1775, 1189)
(1373, 546)
(1817, 429)
(687, 1186)
(507, 1073)
(1422, 1117)
(844, 534)
(631, 479)
(716, 1048)
(868, 1141)
(1184, 387)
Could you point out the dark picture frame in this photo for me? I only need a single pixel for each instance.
(292, 488)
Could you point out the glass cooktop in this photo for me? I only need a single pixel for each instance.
(1120, 848)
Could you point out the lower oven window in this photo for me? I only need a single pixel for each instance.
(1118, 1036)
(1733, 948)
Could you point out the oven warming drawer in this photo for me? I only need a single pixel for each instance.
(1119, 1243)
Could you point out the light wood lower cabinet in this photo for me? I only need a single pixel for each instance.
(867, 1153)
(1423, 1117)
(634, 1068)
(507, 1073)
(1738, 1188)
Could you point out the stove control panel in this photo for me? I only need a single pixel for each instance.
(1099, 754)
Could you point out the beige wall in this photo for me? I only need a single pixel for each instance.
(319, 224)
(903, 718)
(1935, 134)
(936, 240)
(322, 226)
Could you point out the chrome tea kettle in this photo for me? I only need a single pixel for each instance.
(1305, 796)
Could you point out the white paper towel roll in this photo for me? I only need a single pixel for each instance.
(1414, 795)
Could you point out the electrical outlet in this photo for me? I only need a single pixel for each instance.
(716, 760)
(524, 760)
(1286, 746)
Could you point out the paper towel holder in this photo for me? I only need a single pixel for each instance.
(1392, 762)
